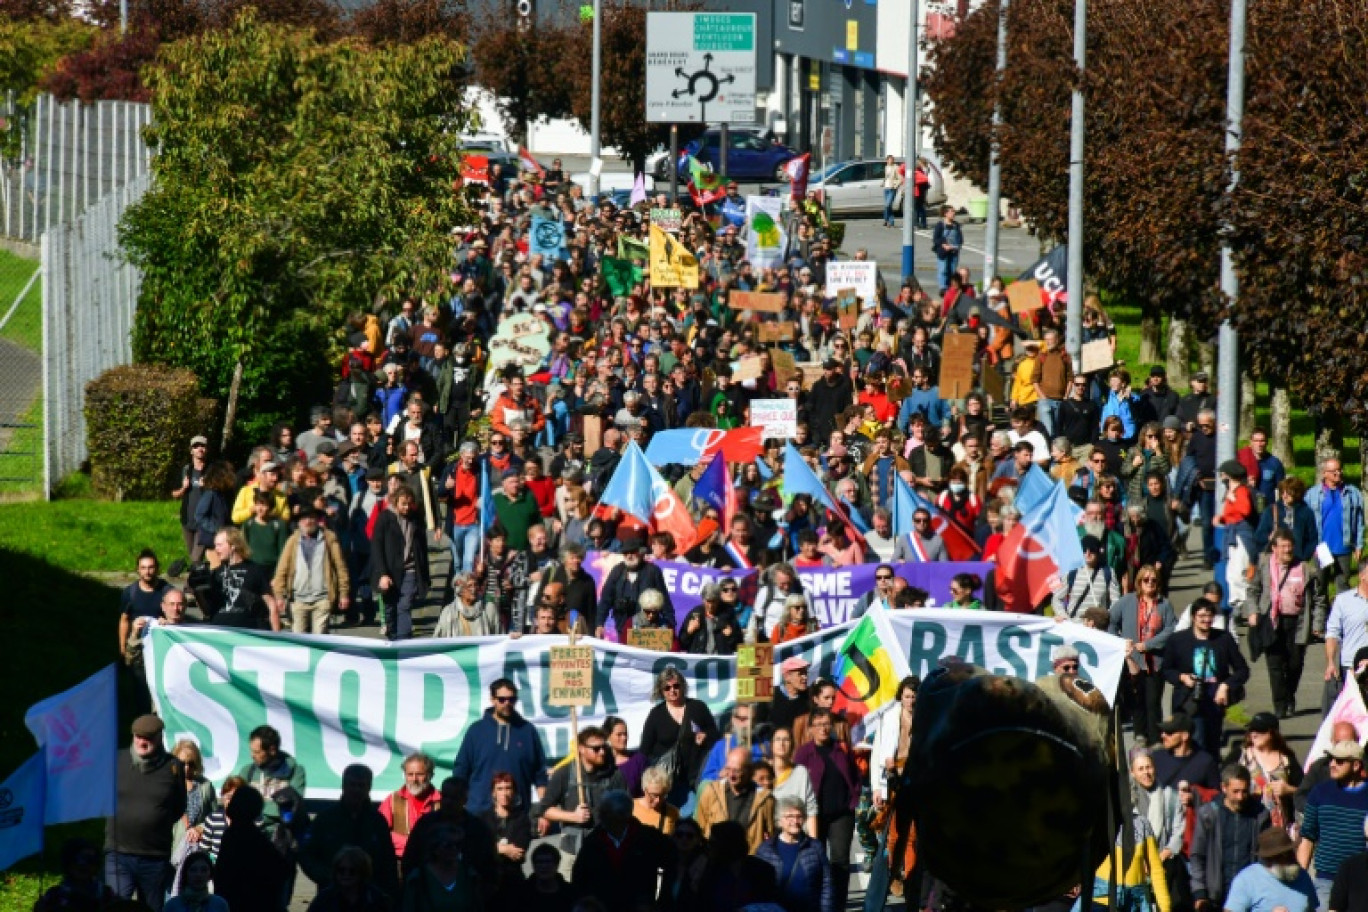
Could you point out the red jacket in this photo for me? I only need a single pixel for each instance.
(412, 810)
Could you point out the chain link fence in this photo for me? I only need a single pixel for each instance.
(21, 372)
(59, 159)
(89, 297)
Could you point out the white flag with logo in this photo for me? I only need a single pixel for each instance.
(78, 728)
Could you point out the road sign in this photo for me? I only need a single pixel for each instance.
(700, 67)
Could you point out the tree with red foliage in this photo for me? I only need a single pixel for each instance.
(526, 71)
(109, 71)
(407, 21)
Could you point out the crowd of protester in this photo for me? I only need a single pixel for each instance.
(337, 525)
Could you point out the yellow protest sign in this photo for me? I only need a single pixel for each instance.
(672, 266)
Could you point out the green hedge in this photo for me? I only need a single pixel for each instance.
(139, 420)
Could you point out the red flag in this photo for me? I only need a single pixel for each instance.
(475, 169)
(703, 197)
(797, 169)
(529, 163)
(742, 444)
(1041, 546)
(670, 515)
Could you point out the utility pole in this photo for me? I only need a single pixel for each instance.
(990, 236)
(595, 164)
(1073, 327)
(1228, 367)
(123, 17)
(911, 140)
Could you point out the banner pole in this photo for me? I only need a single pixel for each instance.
(574, 738)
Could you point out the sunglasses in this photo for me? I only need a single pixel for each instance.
(505, 699)
(596, 748)
(670, 687)
(1068, 666)
(883, 577)
(728, 589)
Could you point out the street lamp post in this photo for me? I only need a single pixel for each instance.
(595, 166)
(990, 236)
(1228, 368)
(912, 136)
(1073, 327)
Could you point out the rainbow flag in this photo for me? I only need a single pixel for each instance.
(866, 673)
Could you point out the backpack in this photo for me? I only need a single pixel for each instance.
(1106, 587)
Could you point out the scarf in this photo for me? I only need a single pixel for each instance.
(1148, 624)
(1289, 584)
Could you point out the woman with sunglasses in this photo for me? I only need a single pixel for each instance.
(1145, 620)
(675, 732)
(1148, 455)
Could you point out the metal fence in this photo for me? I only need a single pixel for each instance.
(89, 297)
(68, 157)
(21, 372)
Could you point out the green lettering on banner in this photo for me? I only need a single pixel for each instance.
(926, 648)
(1007, 639)
(970, 647)
(713, 679)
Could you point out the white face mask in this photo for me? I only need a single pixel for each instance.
(957, 487)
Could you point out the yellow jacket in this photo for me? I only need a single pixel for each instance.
(1135, 874)
(1023, 389)
(242, 507)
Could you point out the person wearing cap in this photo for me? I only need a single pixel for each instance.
(150, 798)
(267, 481)
(191, 476)
(312, 575)
(1159, 399)
(622, 590)
(1199, 400)
(516, 509)
(792, 698)
(1093, 585)
(1204, 667)
(1332, 829)
(1176, 760)
(1225, 839)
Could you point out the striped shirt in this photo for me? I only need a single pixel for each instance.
(1089, 589)
(1334, 822)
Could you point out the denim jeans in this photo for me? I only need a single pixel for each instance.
(876, 890)
(1047, 410)
(890, 194)
(464, 542)
(399, 602)
(945, 268)
(126, 874)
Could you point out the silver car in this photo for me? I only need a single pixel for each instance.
(856, 187)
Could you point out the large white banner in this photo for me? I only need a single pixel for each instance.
(340, 700)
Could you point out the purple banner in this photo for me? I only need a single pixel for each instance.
(833, 592)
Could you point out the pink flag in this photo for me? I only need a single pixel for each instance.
(638, 190)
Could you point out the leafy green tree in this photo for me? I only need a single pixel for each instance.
(31, 48)
(296, 181)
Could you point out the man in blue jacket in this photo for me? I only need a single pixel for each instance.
(501, 742)
(800, 863)
(1338, 508)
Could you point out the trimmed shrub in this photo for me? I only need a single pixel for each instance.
(139, 418)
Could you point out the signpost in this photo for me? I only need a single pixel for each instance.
(700, 67)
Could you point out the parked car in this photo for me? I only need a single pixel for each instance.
(856, 187)
(485, 142)
(752, 154)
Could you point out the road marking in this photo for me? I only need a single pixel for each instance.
(978, 250)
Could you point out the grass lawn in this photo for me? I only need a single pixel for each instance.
(25, 327)
(91, 535)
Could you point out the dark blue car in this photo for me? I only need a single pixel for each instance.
(750, 155)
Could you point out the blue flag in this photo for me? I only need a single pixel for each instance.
(904, 505)
(1033, 487)
(486, 500)
(78, 730)
(800, 479)
(23, 797)
(547, 238)
(711, 487)
(632, 489)
(766, 473)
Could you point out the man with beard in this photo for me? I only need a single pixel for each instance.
(1276, 881)
(1333, 825)
(418, 796)
(622, 590)
(1225, 839)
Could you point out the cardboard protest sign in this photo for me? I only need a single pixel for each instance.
(1023, 296)
(593, 434)
(657, 639)
(861, 275)
(847, 308)
(572, 676)
(1097, 355)
(779, 417)
(783, 363)
(748, 368)
(776, 332)
(811, 371)
(765, 302)
(957, 364)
